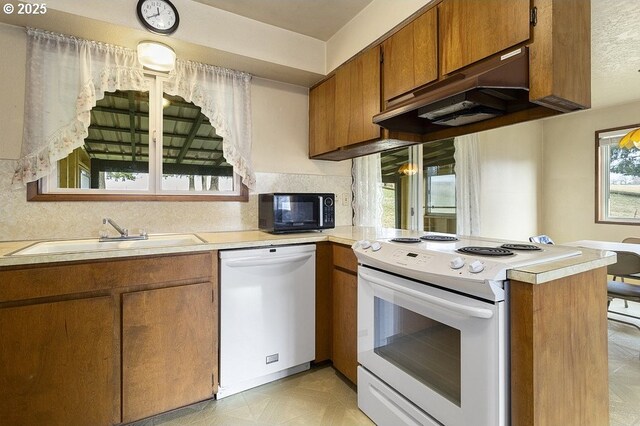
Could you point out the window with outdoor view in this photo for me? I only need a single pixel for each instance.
(120, 156)
(419, 187)
(618, 177)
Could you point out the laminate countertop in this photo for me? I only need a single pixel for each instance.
(535, 274)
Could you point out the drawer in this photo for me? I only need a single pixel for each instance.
(343, 257)
(58, 279)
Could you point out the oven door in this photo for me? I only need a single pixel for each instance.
(442, 351)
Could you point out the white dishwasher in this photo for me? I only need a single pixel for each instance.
(267, 315)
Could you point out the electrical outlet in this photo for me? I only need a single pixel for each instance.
(345, 199)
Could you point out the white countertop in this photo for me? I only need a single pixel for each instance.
(606, 245)
(590, 259)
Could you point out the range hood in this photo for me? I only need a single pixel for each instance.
(490, 89)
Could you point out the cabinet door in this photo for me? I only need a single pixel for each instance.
(411, 56)
(471, 30)
(357, 99)
(345, 323)
(321, 117)
(167, 349)
(56, 363)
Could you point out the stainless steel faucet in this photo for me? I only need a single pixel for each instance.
(124, 233)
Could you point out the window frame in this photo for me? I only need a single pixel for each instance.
(600, 209)
(36, 190)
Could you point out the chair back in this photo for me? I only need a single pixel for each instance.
(631, 240)
(628, 263)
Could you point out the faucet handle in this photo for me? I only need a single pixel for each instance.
(125, 232)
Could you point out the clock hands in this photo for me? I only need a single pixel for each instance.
(157, 14)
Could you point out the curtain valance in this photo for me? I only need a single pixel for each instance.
(67, 75)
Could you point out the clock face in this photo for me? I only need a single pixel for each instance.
(159, 16)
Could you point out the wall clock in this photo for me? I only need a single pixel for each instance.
(158, 16)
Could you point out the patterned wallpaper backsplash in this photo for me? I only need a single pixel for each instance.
(22, 220)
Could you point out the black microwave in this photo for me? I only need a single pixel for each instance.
(294, 212)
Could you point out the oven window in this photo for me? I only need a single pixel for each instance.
(426, 349)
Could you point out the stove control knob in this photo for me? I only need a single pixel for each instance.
(365, 244)
(375, 246)
(476, 267)
(456, 263)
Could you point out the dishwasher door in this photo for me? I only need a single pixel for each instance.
(267, 315)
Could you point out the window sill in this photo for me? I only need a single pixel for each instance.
(34, 193)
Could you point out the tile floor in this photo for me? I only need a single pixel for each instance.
(316, 397)
(322, 397)
(624, 368)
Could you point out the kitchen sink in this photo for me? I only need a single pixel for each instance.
(92, 244)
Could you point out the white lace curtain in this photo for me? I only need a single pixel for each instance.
(67, 75)
(467, 171)
(367, 191)
(224, 96)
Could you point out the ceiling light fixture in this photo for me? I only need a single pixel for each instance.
(630, 140)
(408, 169)
(156, 56)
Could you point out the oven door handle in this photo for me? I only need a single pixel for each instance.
(470, 311)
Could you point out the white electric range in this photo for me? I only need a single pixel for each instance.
(433, 327)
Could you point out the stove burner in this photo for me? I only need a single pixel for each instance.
(523, 247)
(485, 251)
(406, 240)
(438, 238)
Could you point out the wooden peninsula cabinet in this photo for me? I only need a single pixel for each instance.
(108, 341)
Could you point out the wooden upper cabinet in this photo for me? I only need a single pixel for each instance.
(471, 30)
(560, 56)
(322, 100)
(411, 56)
(357, 99)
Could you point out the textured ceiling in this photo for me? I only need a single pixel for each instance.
(615, 52)
(319, 19)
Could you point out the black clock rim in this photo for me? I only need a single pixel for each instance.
(151, 28)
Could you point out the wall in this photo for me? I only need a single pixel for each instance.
(511, 181)
(379, 17)
(200, 25)
(280, 141)
(13, 46)
(569, 174)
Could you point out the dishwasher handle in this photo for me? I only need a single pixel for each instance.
(470, 311)
(247, 262)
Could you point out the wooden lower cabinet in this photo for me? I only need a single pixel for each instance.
(345, 323)
(167, 349)
(56, 363)
(559, 372)
(109, 341)
(324, 302)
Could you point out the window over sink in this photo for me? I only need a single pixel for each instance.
(617, 177)
(118, 158)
